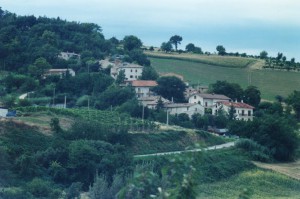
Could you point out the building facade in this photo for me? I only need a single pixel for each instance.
(208, 101)
(190, 109)
(242, 111)
(143, 87)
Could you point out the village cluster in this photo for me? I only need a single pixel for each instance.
(198, 100)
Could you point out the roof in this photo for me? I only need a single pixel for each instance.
(128, 65)
(237, 105)
(143, 83)
(59, 70)
(179, 105)
(212, 96)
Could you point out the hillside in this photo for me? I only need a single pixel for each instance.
(224, 61)
(270, 83)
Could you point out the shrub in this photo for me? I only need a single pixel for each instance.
(257, 151)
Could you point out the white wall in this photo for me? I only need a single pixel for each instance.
(142, 91)
(133, 73)
(3, 112)
(188, 110)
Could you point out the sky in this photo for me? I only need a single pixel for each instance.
(239, 25)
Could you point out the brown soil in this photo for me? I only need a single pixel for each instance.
(290, 169)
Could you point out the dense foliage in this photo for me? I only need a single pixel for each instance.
(33, 159)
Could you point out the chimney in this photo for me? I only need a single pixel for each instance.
(235, 100)
(242, 101)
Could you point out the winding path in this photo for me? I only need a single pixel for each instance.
(221, 146)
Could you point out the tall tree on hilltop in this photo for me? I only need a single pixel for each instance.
(132, 42)
(221, 50)
(263, 54)
(166, 46)
(176, 39)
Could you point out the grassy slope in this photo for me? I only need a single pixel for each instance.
(260, 184)
(270, 83)
(225, 61)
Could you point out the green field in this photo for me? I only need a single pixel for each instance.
(270, 83)
(225, 61)
(259, 184)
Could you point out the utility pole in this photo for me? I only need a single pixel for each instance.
(65, 105)
(89, 106)
(53, 97)
(143, 113)
(167, 117)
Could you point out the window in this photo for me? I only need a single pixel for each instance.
(131, 70)
(205, 103)
(136, 71)
(243, 112)
(195, 97)
(249, 113)
(131, 76)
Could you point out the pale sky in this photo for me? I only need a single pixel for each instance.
(239, 25)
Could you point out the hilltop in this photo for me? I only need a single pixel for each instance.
(205, 70)
(224, 61)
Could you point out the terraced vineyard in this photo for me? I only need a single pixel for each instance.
(111, 119)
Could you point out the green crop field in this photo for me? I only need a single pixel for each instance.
(257, 183)
(270, 83)
(225, 61)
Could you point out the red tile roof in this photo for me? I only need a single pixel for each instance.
(143, 83)
(213, 96)
(237, 105)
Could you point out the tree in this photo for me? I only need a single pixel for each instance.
(294, 100)
(231, 90)
(252, 96)
(39, 67)
(221, 50)
(263, 55)
(175, 40)
(132, 42)
(190, 47)
(170, 87)
(121, 77)
(149, 73)
(166, 46)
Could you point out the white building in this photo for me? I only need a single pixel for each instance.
(132, 71)
(3, 112)
(142, 87)
(242, 111)
(152, 101)
(208, 101)
(190, 109)
(67, 55)
(59, 72)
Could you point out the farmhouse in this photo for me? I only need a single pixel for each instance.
(242, 111)
(208, 101)
(132, 71)
(67, 55)
(152, 101)
(142, 87)
(190, 109)
(59, 72)
(195, 90)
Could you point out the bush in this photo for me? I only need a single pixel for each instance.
(42, 189)
(257, 151)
